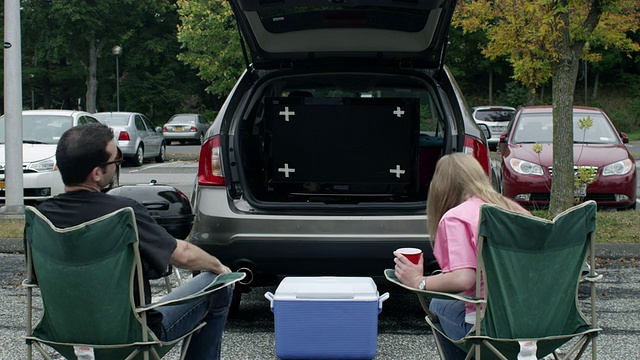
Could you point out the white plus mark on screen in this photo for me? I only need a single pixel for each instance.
(287, 113)
(397, 171)
(286, 170)
(398, 112)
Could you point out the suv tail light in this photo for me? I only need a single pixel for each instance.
(210, 165)
(474, 146)
(124, 136)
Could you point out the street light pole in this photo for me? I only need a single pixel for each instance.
(117, 50)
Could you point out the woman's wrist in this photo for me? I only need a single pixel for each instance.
(422, 285)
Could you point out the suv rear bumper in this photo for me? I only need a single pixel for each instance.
(302, 245)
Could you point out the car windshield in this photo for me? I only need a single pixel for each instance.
(113, 119)
(538, 128)
(183, 119)
(40, 129)
(497, 115)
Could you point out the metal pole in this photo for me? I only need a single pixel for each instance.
(14, 199)
(117, 83)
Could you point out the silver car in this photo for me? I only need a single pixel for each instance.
(496, 118)
(320, 159)
(185, 127)
(137, 137)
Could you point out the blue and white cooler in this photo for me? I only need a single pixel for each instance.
(326, 317)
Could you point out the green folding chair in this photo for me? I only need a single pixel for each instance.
(531, 269)
(86, 275)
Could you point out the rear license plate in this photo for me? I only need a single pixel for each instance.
(2, 185)
(178, 128)
(582, 192)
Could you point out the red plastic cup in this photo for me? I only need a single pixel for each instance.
(413, 254)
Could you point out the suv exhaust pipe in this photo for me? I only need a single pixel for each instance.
(249, 278)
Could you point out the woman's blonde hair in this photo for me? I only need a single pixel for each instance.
(458, 177)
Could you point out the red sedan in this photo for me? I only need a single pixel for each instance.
(527, 167)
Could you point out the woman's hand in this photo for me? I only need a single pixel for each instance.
(407, 272)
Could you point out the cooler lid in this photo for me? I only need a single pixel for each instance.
(327, 288)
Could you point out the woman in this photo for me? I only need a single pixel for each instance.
(458, 189)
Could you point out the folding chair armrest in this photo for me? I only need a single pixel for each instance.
(221, 281)
(390, 274)
(30, 283)
(591, 278)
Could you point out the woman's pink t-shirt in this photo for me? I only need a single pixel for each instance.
(456, 243)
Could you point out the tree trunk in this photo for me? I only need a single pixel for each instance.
(92, 77)
(531, 95)
(490, 85)
(564, 81)
(594, 94)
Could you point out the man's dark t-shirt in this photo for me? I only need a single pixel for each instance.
(155, 243)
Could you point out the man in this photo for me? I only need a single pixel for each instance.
(87, 158)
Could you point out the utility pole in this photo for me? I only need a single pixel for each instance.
(14, 196)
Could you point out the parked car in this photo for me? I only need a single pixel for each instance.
(137, 137)
(496, 118)
(185, 127)
(319, 160)
(41, 130)
(527, 174)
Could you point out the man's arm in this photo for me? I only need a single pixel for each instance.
(190, 257)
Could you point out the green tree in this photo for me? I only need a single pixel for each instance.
(210, 42)
(545, 39)
(75, 33)
(153, 80)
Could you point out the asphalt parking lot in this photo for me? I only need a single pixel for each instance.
(402, 332)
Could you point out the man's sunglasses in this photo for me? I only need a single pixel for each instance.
(118, 160)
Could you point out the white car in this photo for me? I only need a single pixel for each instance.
(496, 118)
(41, 131)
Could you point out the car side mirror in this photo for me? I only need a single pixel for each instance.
(158, 129)
(503, 138)
(625, 137)
(485, 130)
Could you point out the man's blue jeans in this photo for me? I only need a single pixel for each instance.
(179, 319)
(451, 314)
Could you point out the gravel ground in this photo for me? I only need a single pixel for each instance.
(403, 334)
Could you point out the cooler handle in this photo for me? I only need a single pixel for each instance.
(382, 298)
(269, 297)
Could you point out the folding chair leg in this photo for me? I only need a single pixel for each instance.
(133, 354)
(583, 348)
(42, 351)
(581, 344)
(167, 283)
(154, 353)
(179, 277)
(185, 347)
(29, 327)
(471, 353)
(494, 350)
(438, 344)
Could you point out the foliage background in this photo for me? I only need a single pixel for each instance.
(182, 56)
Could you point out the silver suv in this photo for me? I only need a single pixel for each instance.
(320, 159)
